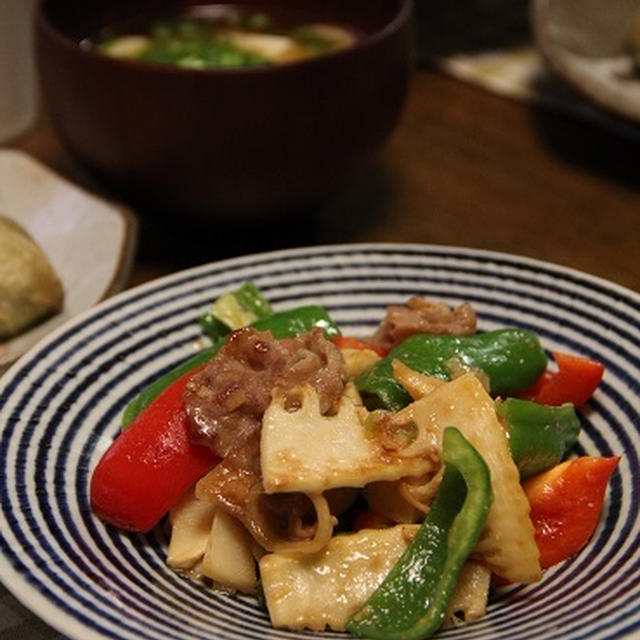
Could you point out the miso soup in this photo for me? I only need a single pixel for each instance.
(221, 36)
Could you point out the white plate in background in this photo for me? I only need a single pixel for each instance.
(88, 240)
(587, 44)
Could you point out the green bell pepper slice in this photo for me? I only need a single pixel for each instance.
(512, 359)
(245, 302)
(149, 393)
(251, 299)
(539, 435)
(286, 324)
(411, 601)
(289, 324)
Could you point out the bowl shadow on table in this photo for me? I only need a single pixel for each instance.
(595, 140)
(469, 26)
(603, 139)
(600, 143)
(172, 242)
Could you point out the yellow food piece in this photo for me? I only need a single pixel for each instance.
(191, 521)
(274, 47)
(30, 289)
(228, 310)
(634, 36)
(357, 361)
(337, 36)
(130, 46)
(228, 557)
(469, 598)
(386, 499)
(418, 385)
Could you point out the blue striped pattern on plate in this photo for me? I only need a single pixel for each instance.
(60, 408)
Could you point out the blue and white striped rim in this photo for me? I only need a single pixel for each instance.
(60, 409)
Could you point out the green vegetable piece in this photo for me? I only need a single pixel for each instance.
(289, 324)
(233, 18)
(539, 436)
(194, 44)
(234, 310)
(258, 21)
(286, 324)
(213, 327)
(250, 298)
(144, 398)
(411, 601)
(161, 30)
(512, 359)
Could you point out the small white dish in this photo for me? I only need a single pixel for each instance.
(587, 44)
(88, 240)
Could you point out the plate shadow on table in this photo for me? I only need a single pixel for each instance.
(609, 148)
(444, 28)
(16, 621)
(175, 241)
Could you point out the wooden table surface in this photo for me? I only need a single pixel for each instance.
(464, 167)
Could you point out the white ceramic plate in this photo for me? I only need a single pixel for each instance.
(61, 405)
(586, 42)
(88, 240)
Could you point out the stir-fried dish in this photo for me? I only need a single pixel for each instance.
(377, 485)
(232, 38)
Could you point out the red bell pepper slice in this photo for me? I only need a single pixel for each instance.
(575, 381)
(150, 465)
(566, 502)
(343, 342)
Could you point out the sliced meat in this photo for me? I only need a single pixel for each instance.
(225, 403)
(316, 361)
(226, 400)
(420, 315)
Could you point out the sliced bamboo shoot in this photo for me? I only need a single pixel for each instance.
(229, 558)
(507, 544)
(191, 521)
